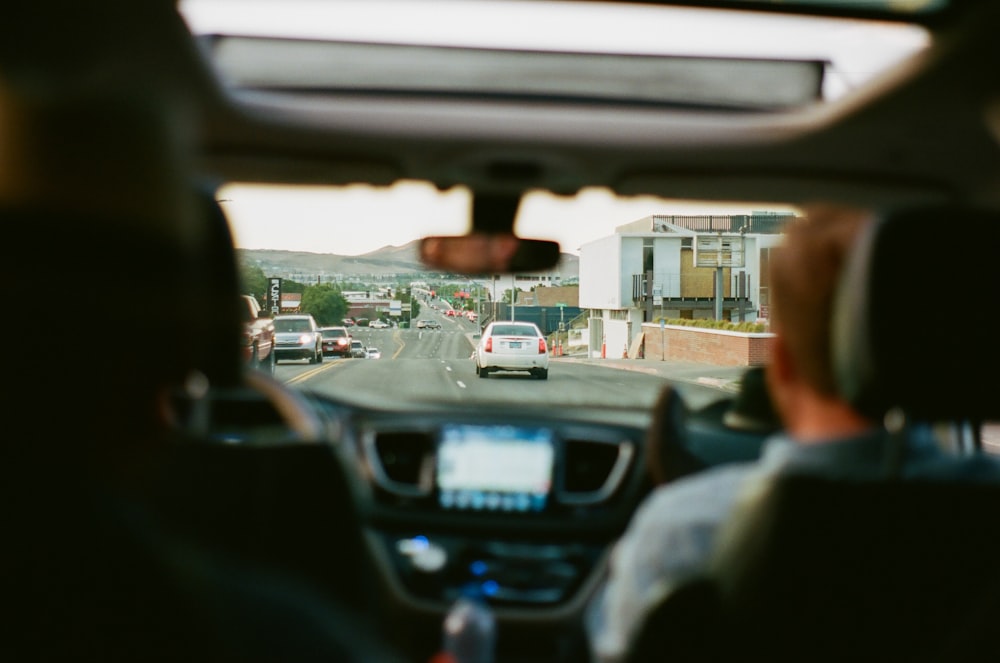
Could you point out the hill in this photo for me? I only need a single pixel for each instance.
(386, 262)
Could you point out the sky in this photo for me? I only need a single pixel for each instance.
(298, 218)
(312, 218)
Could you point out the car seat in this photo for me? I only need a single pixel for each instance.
(820, 569)
(103, 236)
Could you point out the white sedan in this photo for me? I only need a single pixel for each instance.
(378, 324)
(512, 346)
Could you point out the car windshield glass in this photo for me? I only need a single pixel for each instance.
(343, 243)
(513, 330)
(289, 326)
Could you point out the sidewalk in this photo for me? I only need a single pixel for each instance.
(725, 378)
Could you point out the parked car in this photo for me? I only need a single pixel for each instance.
(378, 324)
(298, 337)
(358, 350)
(336, 341)
(512, 346)
(374, 353)
(258, 335)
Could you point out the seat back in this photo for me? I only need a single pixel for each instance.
(820, 569)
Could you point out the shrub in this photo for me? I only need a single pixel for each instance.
(747, 327)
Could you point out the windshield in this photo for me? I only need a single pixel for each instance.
(636, 273)
(291, 325)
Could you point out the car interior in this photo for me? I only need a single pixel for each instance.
(383, 506)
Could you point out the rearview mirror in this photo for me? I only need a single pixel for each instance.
(488, 253)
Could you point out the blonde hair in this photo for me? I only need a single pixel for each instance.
(804, 273)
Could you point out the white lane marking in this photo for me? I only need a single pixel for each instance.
(447, 368)
(460, 384)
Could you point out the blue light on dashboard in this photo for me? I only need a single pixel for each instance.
(490, 588)
(478, 567)
(420, 542)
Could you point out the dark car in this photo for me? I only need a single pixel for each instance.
(336, 341)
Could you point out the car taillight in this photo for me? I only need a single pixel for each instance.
(489, 344)
(541, 346)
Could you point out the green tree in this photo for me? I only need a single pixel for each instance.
(325, 303)
(253, 281)
(507, 295)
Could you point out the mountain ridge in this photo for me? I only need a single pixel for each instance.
(387, 261)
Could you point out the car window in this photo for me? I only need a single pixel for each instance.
(513, 330)
(292, 325)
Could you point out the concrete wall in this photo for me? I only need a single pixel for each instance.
(709, 346)
(600, 284)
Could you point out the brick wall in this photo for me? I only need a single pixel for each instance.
(706, 346)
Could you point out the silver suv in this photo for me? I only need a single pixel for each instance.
(297, 336)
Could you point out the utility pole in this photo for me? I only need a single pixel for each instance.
(513, 296)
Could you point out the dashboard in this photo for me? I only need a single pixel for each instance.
(517, 506)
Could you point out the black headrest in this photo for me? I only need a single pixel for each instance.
(219, 346)
(915, 318)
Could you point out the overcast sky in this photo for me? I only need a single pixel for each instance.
(298, 219)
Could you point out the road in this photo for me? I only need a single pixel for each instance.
(418, 365)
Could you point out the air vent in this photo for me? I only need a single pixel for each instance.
(593, 470)
(402, 462)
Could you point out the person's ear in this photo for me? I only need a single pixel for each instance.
(778, 375)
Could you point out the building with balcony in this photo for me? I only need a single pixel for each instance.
(671, 266)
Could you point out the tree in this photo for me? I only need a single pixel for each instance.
(507, 295)
(325, 303)
(253, 281)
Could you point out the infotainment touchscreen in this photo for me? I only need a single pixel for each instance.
(495, 468)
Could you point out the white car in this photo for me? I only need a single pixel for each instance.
(512, 346)
(374, 353)
(378, 324)
(358, 350)
(297, 336)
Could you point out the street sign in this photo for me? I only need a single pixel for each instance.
(561, 304)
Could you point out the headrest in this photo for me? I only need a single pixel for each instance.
(118, 156)
(915, 315)
(220, 319)
(97, 203)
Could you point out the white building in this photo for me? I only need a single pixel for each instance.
(656, 268)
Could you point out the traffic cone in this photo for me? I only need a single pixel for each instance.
(604, 348)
